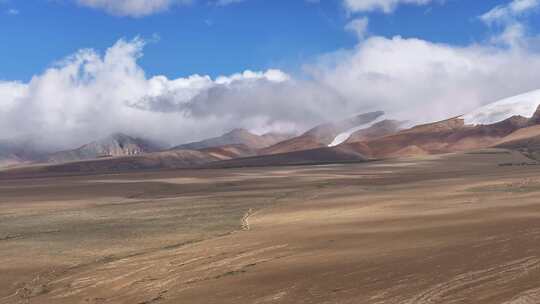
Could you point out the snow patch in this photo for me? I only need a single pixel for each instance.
(342, 137)
(524, 105)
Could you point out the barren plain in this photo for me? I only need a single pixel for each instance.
(455, 228)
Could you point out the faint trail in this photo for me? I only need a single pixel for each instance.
(245, 219)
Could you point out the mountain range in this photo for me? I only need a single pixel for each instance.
(512, 123)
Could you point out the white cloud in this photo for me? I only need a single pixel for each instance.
(358, 26)
(506, 13)
(386, 6)
(507, 18)
(512, 34)
(133, 8)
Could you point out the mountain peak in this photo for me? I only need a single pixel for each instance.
(239, 131)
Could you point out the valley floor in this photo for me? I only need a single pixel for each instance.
(459, 228)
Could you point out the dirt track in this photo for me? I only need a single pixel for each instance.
(455, 229)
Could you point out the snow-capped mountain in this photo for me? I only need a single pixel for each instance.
(344, 136)
(523, 105)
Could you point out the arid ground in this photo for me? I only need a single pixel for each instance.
(458, 228)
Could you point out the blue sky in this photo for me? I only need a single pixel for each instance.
(219, 40)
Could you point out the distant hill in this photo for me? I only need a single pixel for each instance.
(236, 137)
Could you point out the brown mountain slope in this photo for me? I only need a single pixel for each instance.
(320, 136)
